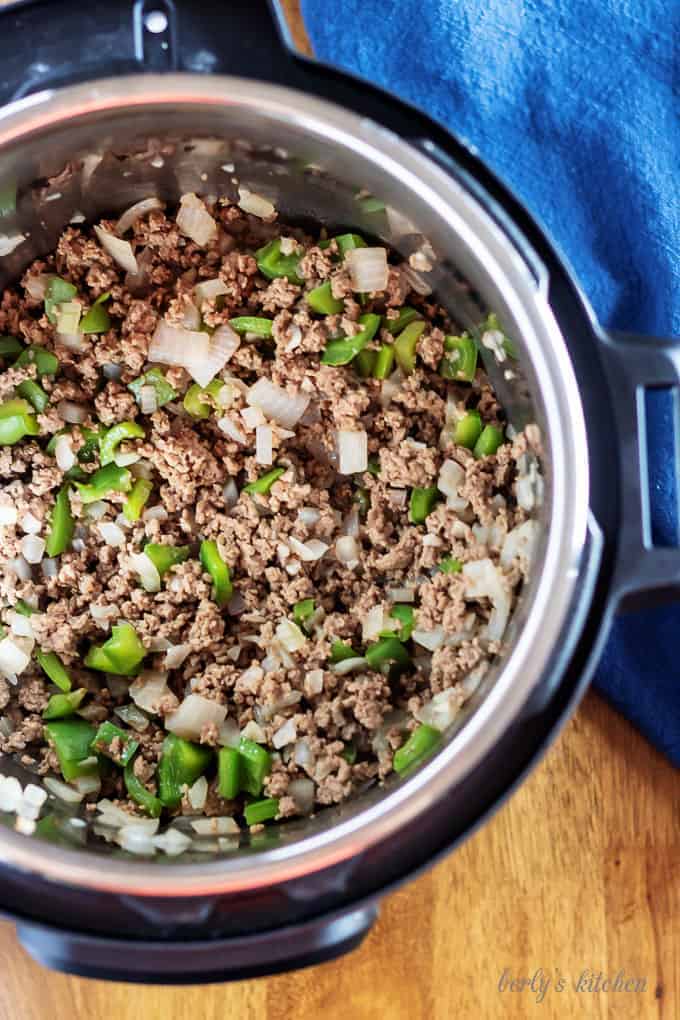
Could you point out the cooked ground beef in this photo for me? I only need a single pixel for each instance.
(254, 611)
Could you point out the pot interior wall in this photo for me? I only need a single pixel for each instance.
(104, 159)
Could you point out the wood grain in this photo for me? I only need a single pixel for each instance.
(578, 874)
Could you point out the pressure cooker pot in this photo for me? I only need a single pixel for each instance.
(111, 102)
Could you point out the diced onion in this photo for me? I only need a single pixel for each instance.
(290, 636)
(390, 387)
(74, 414)
(253, 731)
(62, 790)
(348, 665)
(155, 513)
(88, 784)
(252, 417)
(418, 284)
(50, 567)
(230, 493)
(136, 212)
(115, 817)
(449, 482)
(352, 450)
(402, 594)
(520, 543)
(277, 405)
(207, 290)
(347, 549)
(21, 625)
(132, 716)
(302, 792)
(367, 268)
(119, 250)
(111, 533)
(32, 548)
(285, 734)
(236, 604)
(231, 429)
(229, 733)
(13, 659)
(20, 567)
(148, 400)
(176, 655)
(135, 840)
(149, 689)
(198, 794)
(172, 842)
(255, 204)
(146, 569)
(74, 341)
(217, 826)
(8, 242)
(309, 516)
(30, 523)
(36, 286)
(194, 220)
(192, 317)
(430, 639)
(484, 580)
(309, 551)
(441, 710)
(372, 623)
(8, 514)
(193, 714)
(264, 445)
(314, 681)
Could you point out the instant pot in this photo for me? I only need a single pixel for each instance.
(109, 102)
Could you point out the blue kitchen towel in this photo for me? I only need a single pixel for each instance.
(572, 102)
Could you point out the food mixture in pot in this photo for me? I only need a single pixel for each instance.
(262, 521)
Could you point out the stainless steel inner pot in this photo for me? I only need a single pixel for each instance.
(128, 138)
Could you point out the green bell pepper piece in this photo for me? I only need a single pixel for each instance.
(105, 736)
(24, 609)
(139, 494)
(321, 300)
(460, 360)
(122, 654)
(164, 557)
(61, 705)
(468, 430)
(263, 484)
(302, 611)
(181, 765)
(422, 503)
(34, 393)
(139, 793)
(340, 650)
(110, 478)
(405, 317)
(97, 320)
(14, 427)
(349, 753)
(228, 772)
(387, 649)
(344, 349)
(364, 363)
(218, 570)
(406, 617)
(56, 293)
(154, 377)
(384, 362)
(256, 764)
(489, 440)
(113, 437)
(405, 346)
(256, 324)
(450, 565)
(417, 748)
(273, 264)
(72, 741)
(62, 524)
(10, 347)
(52, 665)
(199, 400)
(347, 242)
(45, 362)
(261, 811)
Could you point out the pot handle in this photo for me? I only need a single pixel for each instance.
(188, 962)
(637, 366)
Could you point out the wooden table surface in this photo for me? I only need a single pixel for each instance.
(577, 876)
